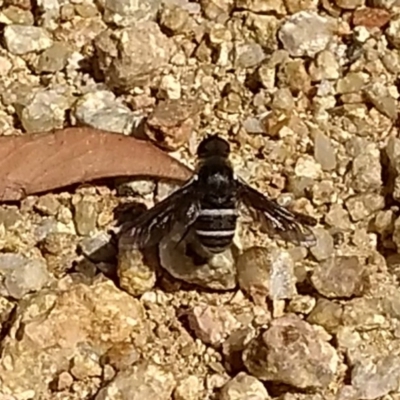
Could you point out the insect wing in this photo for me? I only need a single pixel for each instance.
(150, 227)
(289, 225)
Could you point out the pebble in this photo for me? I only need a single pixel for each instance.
(120, 356)
(364, 205)
(59, 251)
(323, 192)
(391, 61)
(231, 103)
(347, 392)
(295, 6)
(64, 380)
(393, 32)
(350, 341)
(384, 222)
(262, 6)
(16, 15)
(305, 34)
(85, 214)
(375, 379)
(54, 325)
(135, 276)
(392, 306)
(189, 388)
(356, 146)
(266, 76)
(301, 304)
(392, 151)
(46, 227)
(98, 248)
(307, 167)
(85, 365)
(141, 187)
(124, 13)
(21, 275)
(169, 88)
(219, 34)
(6, 307)
(79, 32)
(282, 277)
(340, 276)
(218, 273)
(171, 123)
(5, 66)
(294, 75)
(324, 67)
(53, 59)
(46, 110)
(349, 4)
(123, 69)
(101, 110)
(324, 247)
(145, 380)
(212, 324)
(50, 12)
(327, 314)
(244, 387)
(292, 352)
(386, 4)
(24, 39)
(248, 55)
(10, 218)
(324, 152)
(364, 314)
(19, 94)
(254, 273)
(233, 346)
(338, 217)
(47, 204)
(300, 186)
(353, 82)
(396, 233)
(164, 189)
(214, 382)
(253, 125)
(217, 10)
(174, 19)
(283, 100)
(378, 94)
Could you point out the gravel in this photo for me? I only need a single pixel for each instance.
(22, 39)
(142, 381)
(305, 34)
(100, 110)
(293, 352)
(307, 94)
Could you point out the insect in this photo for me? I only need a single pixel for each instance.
(207, 205)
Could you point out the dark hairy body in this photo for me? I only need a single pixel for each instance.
(207, 206)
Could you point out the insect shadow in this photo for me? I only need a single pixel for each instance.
(104, 260)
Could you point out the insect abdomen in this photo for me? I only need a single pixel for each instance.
(215, 228)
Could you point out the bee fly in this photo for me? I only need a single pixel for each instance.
(207, 205)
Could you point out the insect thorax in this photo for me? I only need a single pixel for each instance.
(216, 180)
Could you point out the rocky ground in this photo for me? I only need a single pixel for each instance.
(307, 94)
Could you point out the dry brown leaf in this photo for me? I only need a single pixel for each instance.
(45, 161)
